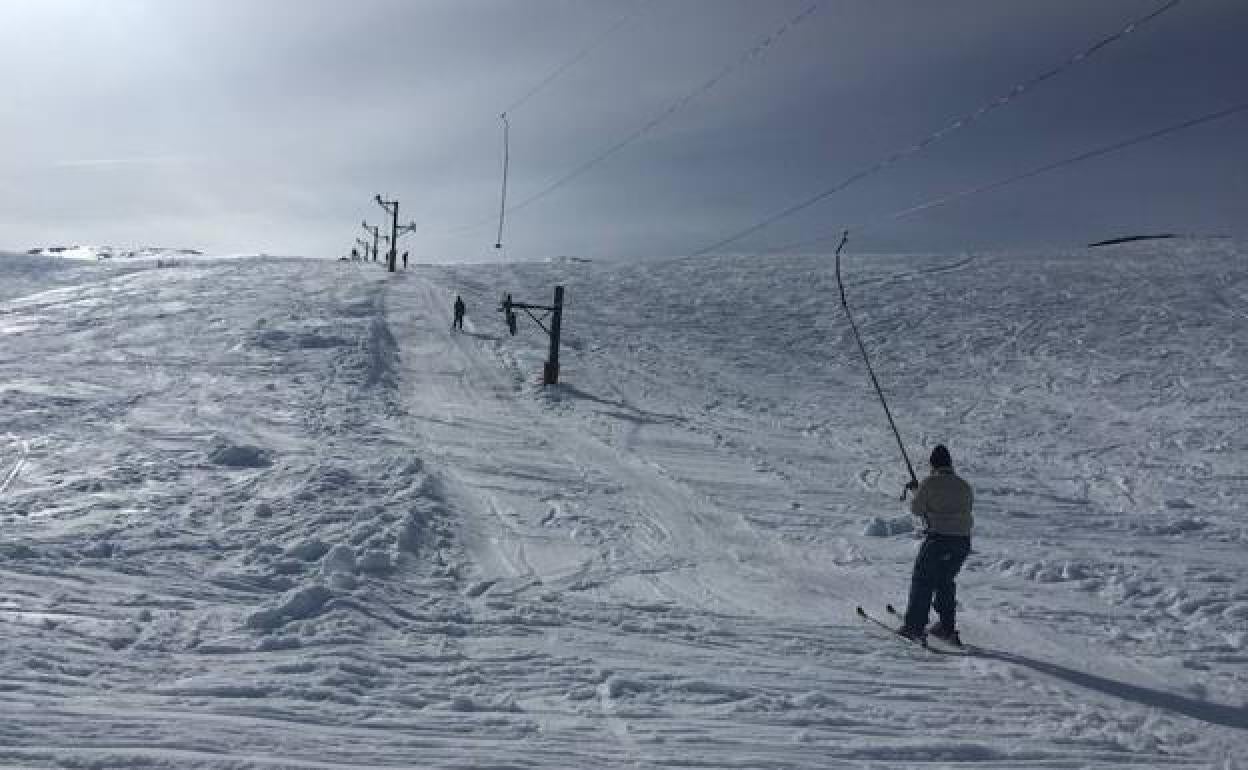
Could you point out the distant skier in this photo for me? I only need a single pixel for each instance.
(405, 260)
(459, 313)
(944, 501)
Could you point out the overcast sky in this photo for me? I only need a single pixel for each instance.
(268, 125)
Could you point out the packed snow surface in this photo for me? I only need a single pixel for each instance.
(276, 513)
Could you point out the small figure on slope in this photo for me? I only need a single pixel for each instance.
(944, 501)
(459, 313)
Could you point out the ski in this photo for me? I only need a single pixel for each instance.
(890, 629)
(940, 648)
(941, 645)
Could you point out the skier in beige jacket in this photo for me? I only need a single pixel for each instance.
(944, 501)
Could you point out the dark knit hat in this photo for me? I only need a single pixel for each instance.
(941, 458)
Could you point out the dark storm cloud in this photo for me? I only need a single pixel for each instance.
(235, 125)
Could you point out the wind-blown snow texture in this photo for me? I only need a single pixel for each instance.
(275, 513)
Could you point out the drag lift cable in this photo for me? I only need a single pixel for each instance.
(1016, 91)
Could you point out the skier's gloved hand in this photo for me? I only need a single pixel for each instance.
(912, 485)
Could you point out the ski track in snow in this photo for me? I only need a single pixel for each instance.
(275, 513)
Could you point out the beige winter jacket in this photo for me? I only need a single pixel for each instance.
(944, 500)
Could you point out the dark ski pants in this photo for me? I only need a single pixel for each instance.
(939, 560)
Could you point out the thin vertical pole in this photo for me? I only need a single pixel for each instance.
(502, 206)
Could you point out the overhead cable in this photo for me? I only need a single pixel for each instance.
(749, 55)
(959, 123)
(538, 87)
(945, 200)
(1106, 150)
(567, 65)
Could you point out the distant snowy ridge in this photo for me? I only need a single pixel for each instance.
(78, 251)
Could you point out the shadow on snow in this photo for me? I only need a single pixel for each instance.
(1213, 713)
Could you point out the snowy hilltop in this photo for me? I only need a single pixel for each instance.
(78, 251)
(277, 513)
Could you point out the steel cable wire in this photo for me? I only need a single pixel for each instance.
(1017, 90)
(945, 200)
(745, 58)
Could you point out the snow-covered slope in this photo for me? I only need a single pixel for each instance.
(275, 513)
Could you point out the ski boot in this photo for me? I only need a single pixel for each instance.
(946, 633)
(913, 634)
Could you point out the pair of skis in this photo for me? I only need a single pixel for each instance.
(934, 645)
